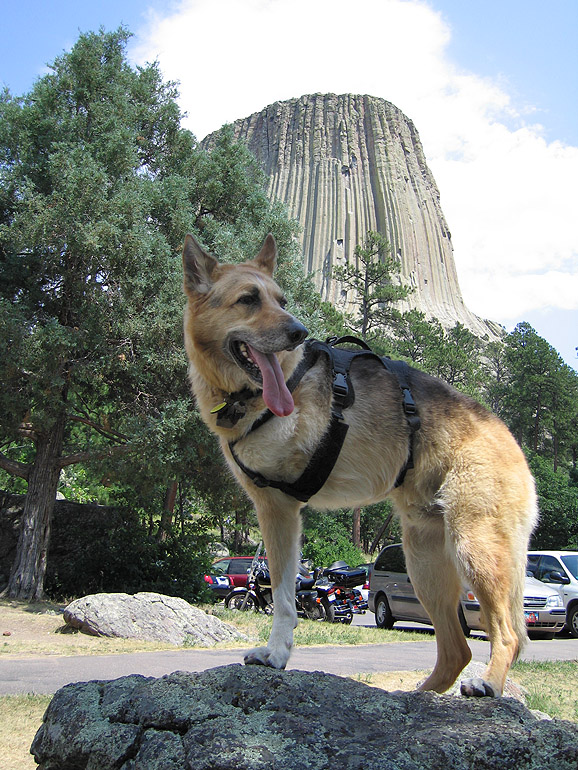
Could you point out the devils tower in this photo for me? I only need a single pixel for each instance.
(347, 164)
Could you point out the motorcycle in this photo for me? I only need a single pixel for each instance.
(313, 601)
(348, 600)
(258, 594)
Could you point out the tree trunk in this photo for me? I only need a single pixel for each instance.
(168, 510)
(356, 533)
(380, 533)
(27, 578)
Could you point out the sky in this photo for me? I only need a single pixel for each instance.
(491, 85)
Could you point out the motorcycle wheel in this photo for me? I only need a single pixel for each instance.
(235, 602)
(317, 612)
(329, 610)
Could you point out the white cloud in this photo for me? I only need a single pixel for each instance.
(508, 195)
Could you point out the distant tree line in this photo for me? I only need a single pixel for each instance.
(99, 183)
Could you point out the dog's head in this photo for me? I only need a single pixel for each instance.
(237, 330)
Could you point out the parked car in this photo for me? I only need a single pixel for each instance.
(392, 598)
(235, 567)
(559, 570)
(220, 585)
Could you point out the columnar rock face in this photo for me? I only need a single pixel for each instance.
(348, 164)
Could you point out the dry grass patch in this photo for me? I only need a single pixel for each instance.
(20, 718)
(35, 630)
(392, 680)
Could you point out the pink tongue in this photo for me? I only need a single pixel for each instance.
(275, 392)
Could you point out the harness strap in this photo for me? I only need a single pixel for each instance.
(317, 471)
(325, 456)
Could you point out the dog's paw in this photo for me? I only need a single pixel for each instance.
(264, 656)
(477, 688)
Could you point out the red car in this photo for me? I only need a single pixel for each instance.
(235, 567)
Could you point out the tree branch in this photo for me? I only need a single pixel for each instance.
(83, 457)
(107, 433)
(22, 470)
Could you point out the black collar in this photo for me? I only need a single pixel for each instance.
(230, 411)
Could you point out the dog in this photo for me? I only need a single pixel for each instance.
(459, 482)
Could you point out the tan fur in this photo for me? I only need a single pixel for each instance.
(466, 509)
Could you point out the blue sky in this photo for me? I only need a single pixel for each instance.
(492, 86)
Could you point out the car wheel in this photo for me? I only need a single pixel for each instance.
(572, 621)
(383, 616)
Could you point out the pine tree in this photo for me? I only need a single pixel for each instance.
(98, 186)
(372, 285)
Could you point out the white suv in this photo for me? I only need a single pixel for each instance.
(559, 569)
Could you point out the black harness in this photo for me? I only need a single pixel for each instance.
(325, 456)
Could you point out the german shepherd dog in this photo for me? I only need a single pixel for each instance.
(467, 506)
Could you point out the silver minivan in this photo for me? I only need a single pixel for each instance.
(559, 570)
(392, 598)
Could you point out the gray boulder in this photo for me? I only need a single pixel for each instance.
(251, 718)
(148, 616)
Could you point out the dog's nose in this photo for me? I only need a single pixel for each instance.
(296, 332)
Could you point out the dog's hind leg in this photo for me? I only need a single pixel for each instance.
(496, 575)
(280, 523)
(437, 585)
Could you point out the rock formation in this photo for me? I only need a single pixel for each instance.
(251, 718)
(149, 616)
(348, 164)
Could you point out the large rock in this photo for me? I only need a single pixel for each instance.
(147, 616)
(238, 718)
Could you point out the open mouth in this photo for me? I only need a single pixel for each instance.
(265, 369)
(242, 355)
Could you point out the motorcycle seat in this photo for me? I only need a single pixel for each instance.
(305, 584)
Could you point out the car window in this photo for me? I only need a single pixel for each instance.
(220, 567)
(240, 566)
(532, 563)
(571, 563)
(547, 565)
(391, 560)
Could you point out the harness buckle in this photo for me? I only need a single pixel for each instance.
(409, 406)
(340, 386)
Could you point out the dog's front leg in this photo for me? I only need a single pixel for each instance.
(280, 522)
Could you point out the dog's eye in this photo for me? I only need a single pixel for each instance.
(248, 299)
(283, 302)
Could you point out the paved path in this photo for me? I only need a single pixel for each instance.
(48, 674)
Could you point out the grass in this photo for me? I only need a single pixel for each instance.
(20, 718)
(551, 687)
(257, 626)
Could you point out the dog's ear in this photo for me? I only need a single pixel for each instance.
(198, 267)
(266, 259)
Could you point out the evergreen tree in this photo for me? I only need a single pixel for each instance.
(541, 402)
(371, 283)
(98, 186)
